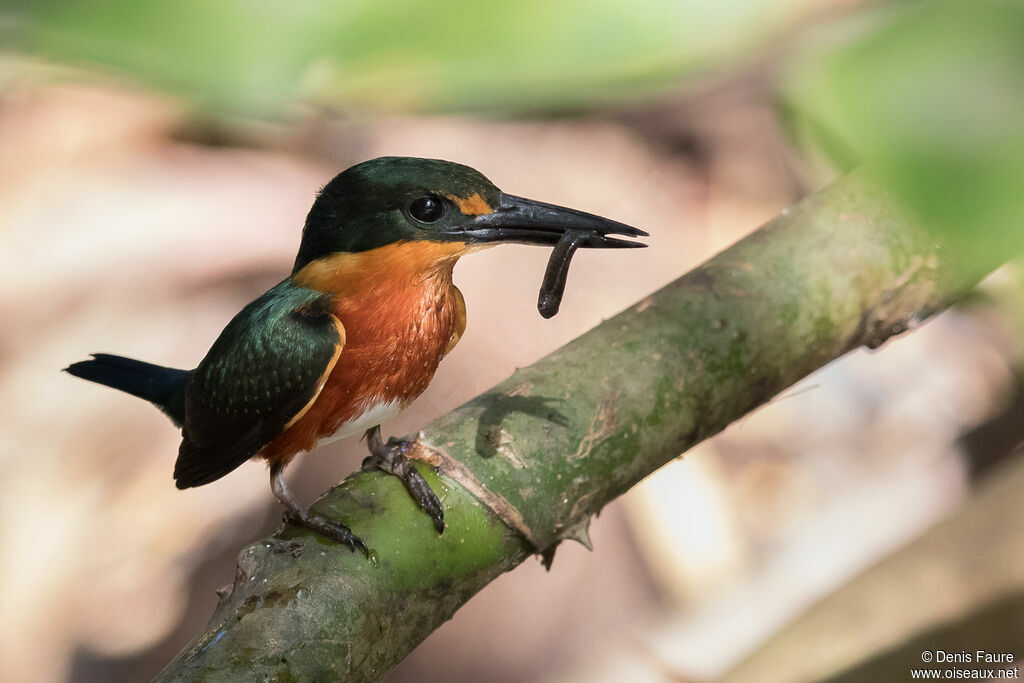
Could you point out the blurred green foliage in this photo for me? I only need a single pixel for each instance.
(255, 57)
(930, 94)
(931, 97)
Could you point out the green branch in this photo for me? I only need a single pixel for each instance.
(527, 464)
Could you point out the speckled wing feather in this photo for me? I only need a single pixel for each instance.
(263, 372)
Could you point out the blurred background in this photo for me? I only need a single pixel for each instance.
(156, 163)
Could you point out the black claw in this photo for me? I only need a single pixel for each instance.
(329, 528)
(337, 532)
(301, 516)
(392, 459)
(421, 492)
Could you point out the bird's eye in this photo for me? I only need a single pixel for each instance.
(428, 209)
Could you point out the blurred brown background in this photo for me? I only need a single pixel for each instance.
(136, 217)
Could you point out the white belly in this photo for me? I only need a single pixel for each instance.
(372, 417)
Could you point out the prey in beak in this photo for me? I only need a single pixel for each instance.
(526, 221)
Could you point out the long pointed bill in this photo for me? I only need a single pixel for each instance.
(526, 221)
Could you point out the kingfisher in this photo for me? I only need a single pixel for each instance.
(354, 334)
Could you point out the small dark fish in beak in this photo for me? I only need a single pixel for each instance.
(526, 221)
(551, 289)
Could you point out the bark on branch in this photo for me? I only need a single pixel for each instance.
(527, 464)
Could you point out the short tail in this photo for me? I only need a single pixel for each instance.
(161, 386)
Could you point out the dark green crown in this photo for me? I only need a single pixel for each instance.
(377, 202)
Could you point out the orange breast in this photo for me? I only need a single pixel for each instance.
(401, 315)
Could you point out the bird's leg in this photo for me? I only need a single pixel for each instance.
(297, 514)
(391, 458)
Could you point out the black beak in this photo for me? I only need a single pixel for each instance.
(525, 221)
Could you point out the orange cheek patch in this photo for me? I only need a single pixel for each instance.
(473, 205)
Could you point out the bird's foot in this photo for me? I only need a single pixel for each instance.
(297, 514)
(326, 527)
(392, 458)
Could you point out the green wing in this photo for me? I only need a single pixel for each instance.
(267, 366)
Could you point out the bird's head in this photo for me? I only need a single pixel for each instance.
(390, 200)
